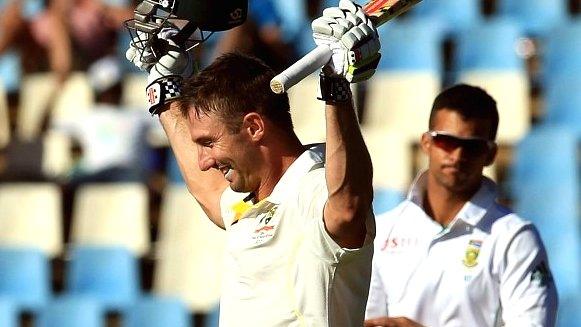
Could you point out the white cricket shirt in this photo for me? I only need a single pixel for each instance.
(281, 266)
(488, 266)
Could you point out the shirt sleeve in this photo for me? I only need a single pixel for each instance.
(377, 300)
(527, 291)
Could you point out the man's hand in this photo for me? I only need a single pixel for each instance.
(167, 64)
(390, 322)
(352, 38)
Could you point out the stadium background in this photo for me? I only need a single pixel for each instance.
(135, 250)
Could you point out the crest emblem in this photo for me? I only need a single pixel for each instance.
(471, 255)
(266, 223)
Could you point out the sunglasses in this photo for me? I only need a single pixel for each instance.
(471, 145)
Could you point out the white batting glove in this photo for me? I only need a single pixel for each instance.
(352, 38)
(166, 74)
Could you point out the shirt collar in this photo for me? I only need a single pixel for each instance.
(472, 211)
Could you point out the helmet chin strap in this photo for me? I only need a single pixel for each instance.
(185, 33)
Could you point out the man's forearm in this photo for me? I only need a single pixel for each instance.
(349, 175)
(205, 186)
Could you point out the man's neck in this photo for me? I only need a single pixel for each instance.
(279, 160)
(442, 204)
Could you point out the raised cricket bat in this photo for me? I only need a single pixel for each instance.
(379, 11)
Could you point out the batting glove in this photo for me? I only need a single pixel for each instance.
(166, 74)
(352, 38)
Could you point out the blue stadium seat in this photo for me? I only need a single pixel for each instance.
(25, 277)
(72, 311)
(173, 172)
(545, 187)
(156, 311)
(8, 313)
(10, 71)
(536, 17)
(457, 15)
(490, 45)
(295, 24)
(563, 52)
(563, 102)
(110, 274)
(411, 45)
(486, 56)
(386, 199)
(213, 318)
(409, 75)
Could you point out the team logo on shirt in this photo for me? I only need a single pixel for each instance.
(265, 228)
(471, 254)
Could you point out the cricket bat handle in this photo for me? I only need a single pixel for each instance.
(308, 64)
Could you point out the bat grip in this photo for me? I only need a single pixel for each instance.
(308, 64)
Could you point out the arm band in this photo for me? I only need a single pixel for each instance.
(335, 89)
(163, 91)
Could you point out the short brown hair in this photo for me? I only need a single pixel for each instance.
(232, 86)
(469, 101)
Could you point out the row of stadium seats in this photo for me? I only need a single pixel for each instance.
(535, 17)
(410, 75)
(104, 214)
(116, 215)
(99, 281)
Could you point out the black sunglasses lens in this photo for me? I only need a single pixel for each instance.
(446, 142)
(449, 143)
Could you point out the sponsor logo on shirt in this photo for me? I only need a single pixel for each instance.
(471, 255)
(265, 228)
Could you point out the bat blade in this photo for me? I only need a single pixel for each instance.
(379, 11)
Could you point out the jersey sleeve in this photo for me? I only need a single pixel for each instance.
(527, 290)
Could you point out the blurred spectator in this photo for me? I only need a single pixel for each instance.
(38, 31)
(33, 38)
(260, 35)
(112, 138)
(94, 26)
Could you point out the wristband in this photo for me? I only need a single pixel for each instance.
(335, 89)
(163, 91)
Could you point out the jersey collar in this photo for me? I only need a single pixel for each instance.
(472, 211)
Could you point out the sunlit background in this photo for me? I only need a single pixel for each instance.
(96, 225)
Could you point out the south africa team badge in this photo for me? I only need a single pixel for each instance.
(471, 256)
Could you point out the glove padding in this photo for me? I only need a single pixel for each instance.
(352, 38)
(167, 73)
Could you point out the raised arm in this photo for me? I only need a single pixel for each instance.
(171, 69)
(349, 174)
(355, 44)
(205, 186)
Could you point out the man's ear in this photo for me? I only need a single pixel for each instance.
(253, 125)
(491, 155)
(425, 143)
